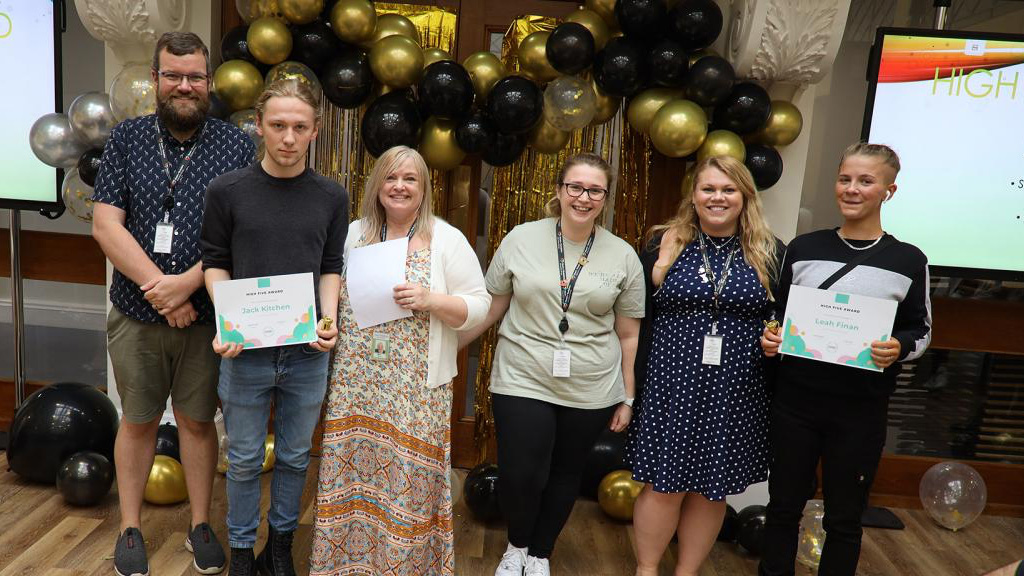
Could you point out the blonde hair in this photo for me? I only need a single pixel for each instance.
(881, 151)
(372, 211)
(553, 207)
(285, 88)
(759, 245)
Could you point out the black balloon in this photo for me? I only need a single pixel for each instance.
(695, 23)
(89, 166)
(84, 478)
(347, 79)
(515, 105)
(751, 529)
(325, 14)
(446, 90)
(730, 525)
(644, 20)
(765, 165)
(667, 63)
(606, 455)
(745, 110)
(480, 492)
(314, 44)
(709, 80)
(570, 48)
(56, 422)
(167, 441)
(218, 109)
(234, 46)
(621, 68)
(504, 149)
(475, 134)
(391, 120)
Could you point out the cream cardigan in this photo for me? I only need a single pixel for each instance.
(454, 270)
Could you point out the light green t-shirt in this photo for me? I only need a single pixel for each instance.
(610, 284)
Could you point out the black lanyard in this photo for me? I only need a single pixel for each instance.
(384, 231)
(716, 287)
(568, 285)
(172, 181)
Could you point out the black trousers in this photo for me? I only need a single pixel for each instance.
(847, 433)
(542, 448)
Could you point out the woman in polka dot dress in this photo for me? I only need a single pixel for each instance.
(701, 430)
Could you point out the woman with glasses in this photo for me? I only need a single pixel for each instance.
(571, 294)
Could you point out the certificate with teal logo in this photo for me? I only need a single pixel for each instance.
(835, 327)
(266, 312)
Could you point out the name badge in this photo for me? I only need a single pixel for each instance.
(712, 350)
(560, 366)
(162, 239)
(380, 349)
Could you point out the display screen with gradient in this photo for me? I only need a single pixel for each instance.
(27, 53)
(952, 106)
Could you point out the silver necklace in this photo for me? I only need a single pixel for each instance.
(852, 247)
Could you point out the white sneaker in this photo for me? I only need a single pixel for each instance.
(537, 567)
(512, 562)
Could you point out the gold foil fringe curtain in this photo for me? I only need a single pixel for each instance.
(339, 152)
(520, 191)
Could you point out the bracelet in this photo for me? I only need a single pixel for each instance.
(629, 402)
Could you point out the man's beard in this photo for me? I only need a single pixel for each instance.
(182, 120)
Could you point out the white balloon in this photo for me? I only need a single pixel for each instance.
(133, 92)
(53, 143)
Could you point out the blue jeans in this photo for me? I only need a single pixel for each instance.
(295, 379)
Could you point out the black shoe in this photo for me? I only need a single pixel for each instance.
(276, 557)
(243, 563)
(130, 554)
(208, 555)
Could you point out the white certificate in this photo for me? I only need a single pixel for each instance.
(265, 312)
(372, 273)
(835, 327)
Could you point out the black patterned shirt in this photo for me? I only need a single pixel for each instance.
(132, 178)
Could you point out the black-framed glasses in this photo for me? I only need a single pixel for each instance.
(575, 190)
(176, 77)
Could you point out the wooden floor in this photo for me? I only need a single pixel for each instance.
(39, 534)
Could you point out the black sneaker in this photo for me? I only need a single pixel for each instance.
(276, 557)
(243, 563)
(130, 554)
(207, 553)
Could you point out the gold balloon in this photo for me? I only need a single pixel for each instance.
(533, 59)
(606, 106)
(646, 104)
(687, 186)
(269, 40)
(395, 24)
(722, 143)
(783, 126)
(301, 11)
(396, 61)
(166, 483)
(591, 21)
(238, 83)
(431, 55)
(617, 493)
(354, 20)
(679, 128)
(605, 9)
(250, 10)
(694, 56)
(546, 139)
(438, 146)
(485, 70)
(268, 453)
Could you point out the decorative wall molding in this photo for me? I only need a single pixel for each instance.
(131, 27)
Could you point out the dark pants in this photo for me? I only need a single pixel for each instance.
(847, 433)
(542, 448)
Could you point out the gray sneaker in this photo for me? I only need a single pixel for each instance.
(130, 554)
(208, 554)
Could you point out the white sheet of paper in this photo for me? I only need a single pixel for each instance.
(373, 272)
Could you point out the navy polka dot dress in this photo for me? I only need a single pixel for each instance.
(701, 428)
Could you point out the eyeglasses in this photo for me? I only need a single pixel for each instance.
(175, 78)
(575, 190)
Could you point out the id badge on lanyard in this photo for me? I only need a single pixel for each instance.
(164, 237)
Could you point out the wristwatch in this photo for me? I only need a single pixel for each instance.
(629, 402)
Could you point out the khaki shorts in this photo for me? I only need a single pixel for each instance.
(154, 361)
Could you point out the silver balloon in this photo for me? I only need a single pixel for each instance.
(569, 103)
(953, 494)
(91, 118)
(133, 92)
(246, 121)
(77, 195)
(53, 143)
(812, 534)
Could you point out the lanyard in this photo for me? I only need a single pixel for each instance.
(716, 287)
(568, 285)
(173, 180)
(384, 231)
